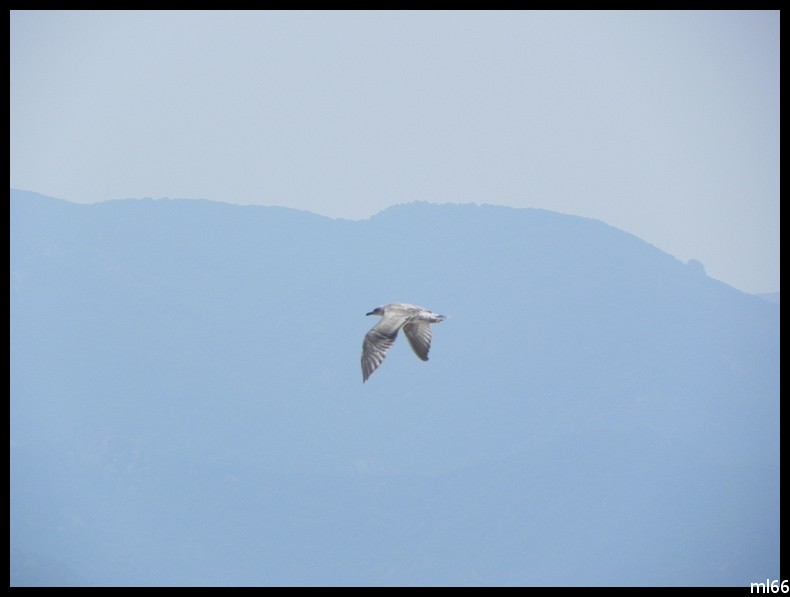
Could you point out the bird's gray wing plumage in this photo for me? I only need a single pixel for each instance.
(419, 335)
(375, 346)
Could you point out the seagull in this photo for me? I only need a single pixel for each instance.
(416, 323)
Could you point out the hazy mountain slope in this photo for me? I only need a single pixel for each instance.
(187, 405)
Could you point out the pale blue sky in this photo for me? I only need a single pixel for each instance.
(664, 124)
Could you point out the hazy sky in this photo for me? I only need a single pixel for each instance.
(664, 124)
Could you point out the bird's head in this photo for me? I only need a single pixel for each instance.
(376, 311)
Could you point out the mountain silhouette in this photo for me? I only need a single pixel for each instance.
(186, 404)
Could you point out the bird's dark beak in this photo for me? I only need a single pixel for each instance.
(371, 313)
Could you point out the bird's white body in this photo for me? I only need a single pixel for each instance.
(416, 324)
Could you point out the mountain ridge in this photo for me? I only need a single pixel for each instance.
(588, 391)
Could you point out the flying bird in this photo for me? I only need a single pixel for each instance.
(416, 323)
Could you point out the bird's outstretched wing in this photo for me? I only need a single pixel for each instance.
(419, 335)
(375, 346)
